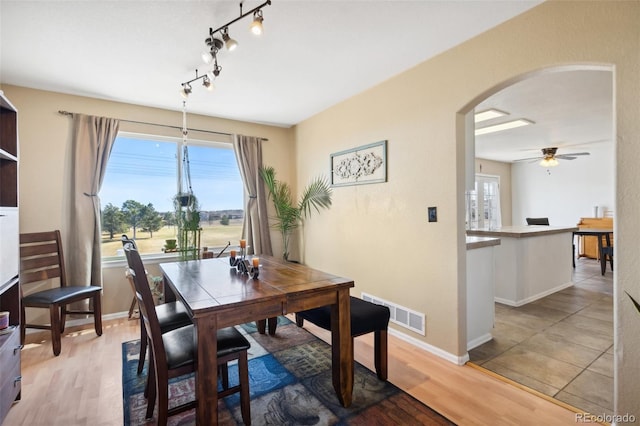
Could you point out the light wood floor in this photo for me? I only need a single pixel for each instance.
(83, 385)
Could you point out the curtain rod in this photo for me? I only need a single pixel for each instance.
(163, 125)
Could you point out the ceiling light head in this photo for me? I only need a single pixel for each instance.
(186, 89)
(228, 41)
(549, 162)
(549, 159)
(256, 25)
(206, 82)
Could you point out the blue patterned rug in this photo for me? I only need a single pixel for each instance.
(290, 384)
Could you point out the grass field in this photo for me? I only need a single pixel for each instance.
(213, 236)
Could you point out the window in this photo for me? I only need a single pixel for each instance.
(484, 214)
(141, 181)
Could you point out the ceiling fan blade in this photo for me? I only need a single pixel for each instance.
(531, 159)
(574, 154)
(565, 157)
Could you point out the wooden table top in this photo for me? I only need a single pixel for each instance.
(212, 284)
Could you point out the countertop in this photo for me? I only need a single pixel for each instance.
(521, 231)
(480, 242)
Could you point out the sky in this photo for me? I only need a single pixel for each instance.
(145, 171)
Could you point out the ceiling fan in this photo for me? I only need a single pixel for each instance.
(550, 159)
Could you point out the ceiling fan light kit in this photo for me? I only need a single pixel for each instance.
(550, 157)
(217, 39)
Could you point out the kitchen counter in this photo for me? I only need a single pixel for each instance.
(531, 262)
(480, 289)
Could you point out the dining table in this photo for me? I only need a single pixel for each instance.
(218, 295)
(605, 250)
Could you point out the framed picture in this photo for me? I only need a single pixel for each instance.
(361, 165)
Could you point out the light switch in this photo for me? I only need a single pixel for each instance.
(433, 214)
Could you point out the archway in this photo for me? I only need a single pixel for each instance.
(466, 122)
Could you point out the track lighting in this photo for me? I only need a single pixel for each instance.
(256, 25)
(230, 43)
(186, 89)
(214, 44)
(206, 82)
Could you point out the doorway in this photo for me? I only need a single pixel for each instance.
(551, 198)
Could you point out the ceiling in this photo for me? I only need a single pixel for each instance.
(312, 55)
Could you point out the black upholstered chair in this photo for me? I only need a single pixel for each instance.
(537, 221)
(41, 259)
(366, 317)
(173, 353)
(171, 315)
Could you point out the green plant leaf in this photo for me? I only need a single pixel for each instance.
(317, 195)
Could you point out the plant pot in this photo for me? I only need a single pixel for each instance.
(185, 200)
(170, 244)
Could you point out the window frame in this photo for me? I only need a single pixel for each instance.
(150, 137)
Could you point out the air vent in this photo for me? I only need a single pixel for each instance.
(405, 317)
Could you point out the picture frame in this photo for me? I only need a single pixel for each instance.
(361, 165)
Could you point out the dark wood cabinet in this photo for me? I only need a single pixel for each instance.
(10, 378)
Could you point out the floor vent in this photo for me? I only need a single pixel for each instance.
(405, 317)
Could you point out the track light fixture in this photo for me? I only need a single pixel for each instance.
(219, 38)
(256, 25)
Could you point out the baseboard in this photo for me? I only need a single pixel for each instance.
(478, 341)
(83, 321)
(458, 360)
(518, 303)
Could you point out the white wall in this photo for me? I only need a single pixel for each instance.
(567, 192)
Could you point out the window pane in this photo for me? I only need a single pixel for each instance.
(142, 174)
(216, 182)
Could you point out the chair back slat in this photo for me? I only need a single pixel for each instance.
(42, 275)
(41, 257)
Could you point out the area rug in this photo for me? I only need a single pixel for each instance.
(290, 384)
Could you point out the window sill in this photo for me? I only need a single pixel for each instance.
(151, 259)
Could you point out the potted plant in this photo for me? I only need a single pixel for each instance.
(188, 221)
(289, 215)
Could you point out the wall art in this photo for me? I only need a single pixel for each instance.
(356, 166)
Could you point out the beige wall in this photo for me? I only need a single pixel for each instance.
(44, 157)
(503, 170)
(379, 235)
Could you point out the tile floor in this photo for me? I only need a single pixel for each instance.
(560, 345)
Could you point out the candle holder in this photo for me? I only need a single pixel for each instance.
(242, 264)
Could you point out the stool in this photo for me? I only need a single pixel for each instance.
(366, 317)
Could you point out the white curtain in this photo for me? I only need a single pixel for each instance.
(92, 140)
(255, 228)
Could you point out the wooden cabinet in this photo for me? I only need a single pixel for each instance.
(10, 379)
(588, 246)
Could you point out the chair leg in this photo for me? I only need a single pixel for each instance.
(380, 350)
(97, 314)
(63, 317)
(243, 374)
(223, 369)
(54, 313)
(262, 326)
(162, 386)
(151, 388)
(299, 320)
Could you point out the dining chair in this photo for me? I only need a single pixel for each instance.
(170, 315)
(41, 260)
(173, 353)
(537, 221)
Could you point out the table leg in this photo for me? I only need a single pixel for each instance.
(603, 257)
(206, 377)
(342, 348)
